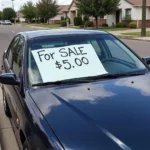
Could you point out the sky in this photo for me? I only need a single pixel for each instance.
(19, 3)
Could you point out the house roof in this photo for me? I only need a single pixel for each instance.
(63, 8)
(138, 2)
(19, 14)
(71, 5)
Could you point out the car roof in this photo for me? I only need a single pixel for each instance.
(59, 32)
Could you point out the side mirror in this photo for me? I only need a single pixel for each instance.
(147, 60)
(9, 79)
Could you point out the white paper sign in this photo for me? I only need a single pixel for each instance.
(76, 61)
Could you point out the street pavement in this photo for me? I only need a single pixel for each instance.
(142, 48)
(7, 33)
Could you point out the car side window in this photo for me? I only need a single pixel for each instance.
(17, 57)
(11, 49)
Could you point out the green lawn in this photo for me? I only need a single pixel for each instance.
(45, 25)
(104, 28)
(136, 33)
(76, 27)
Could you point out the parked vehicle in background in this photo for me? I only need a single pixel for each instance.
(1, 22)
(7, 22)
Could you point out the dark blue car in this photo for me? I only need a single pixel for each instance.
(76, 90)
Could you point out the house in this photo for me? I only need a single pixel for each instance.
(20, 17)
(73, 12)
(63, 11)
(130, 8)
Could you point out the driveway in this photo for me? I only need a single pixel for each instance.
(6, 35)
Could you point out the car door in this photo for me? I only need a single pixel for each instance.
(13, 64)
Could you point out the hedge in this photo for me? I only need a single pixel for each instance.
(89, 24)
(78, 21)
(63, 23)
(120, 25)
(104, 25)
(133, 25)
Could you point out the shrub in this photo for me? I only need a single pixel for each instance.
(12, 20)
(104, 25)
(63, 23)
(62, 18)
(133, 25)
(89, 24)
(120, 25)
(85, 19)
(78, 21)
(127, 20)
(17, 21)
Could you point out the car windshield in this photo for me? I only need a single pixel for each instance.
(54, 59)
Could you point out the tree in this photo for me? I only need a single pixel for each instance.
(97, 8)
(47, 9)
(0, 15)
(28, 10)
(143, 29)
(8, 13)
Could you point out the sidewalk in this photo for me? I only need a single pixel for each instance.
(126, 31)
(121, 35)
(8, 140)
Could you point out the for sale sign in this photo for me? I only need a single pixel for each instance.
(76, 61)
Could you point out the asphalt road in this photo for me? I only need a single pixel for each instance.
(7, 33)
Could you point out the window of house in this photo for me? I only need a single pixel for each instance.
(128, 13)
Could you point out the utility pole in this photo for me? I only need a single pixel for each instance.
(13, 11)
(143, 29)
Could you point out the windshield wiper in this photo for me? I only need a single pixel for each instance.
(113, 76)
(72, 81)
(89, 79)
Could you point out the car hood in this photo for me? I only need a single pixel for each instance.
(103, 115)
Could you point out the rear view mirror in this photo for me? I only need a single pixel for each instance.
(9, 79)
(147, 60)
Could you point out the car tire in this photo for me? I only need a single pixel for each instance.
(25, 146)
(6, 107)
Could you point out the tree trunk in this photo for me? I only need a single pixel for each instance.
(96, 19)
